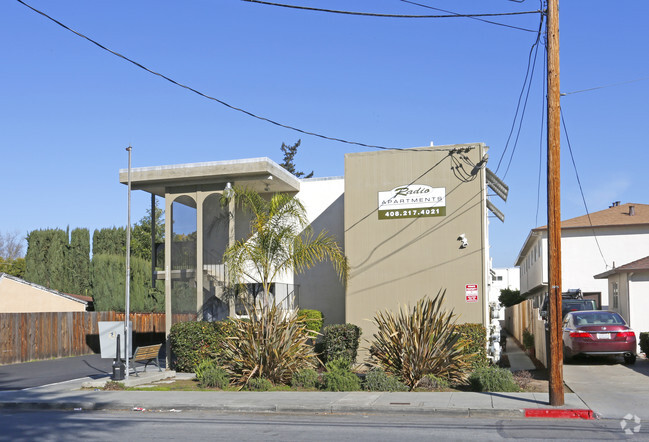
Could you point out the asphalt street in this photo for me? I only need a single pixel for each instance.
(201, 425)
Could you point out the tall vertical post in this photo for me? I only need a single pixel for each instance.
(554, 207)
(153, 244)
(127, 304)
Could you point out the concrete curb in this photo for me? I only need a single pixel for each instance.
(332, 409)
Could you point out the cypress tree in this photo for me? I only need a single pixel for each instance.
(109, 241)
(78, 262)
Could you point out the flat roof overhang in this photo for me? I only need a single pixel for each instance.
(259, 174)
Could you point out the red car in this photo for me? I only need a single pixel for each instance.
(596, 332)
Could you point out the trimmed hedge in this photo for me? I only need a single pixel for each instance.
(340, 341)
(644, 343)
(313, 320)
(196, 341)
(474, 338)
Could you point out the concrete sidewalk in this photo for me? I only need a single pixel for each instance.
(70, 396)
(518, 359)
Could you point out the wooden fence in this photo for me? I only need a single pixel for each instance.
(32, 336)
(524, 316)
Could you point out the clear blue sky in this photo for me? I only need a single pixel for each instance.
(68, 109)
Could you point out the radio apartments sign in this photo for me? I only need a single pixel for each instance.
(412, 201)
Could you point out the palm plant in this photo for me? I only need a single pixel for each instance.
(280, 241)
(271, 344)
(413, 345)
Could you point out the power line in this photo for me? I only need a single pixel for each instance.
(474, 18)
(250, 114)
(605, 86)
(543, 108)
(520, 122)
(581, 190)
(372, 14)
(520, 96)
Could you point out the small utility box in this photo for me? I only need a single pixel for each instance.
(108, 332)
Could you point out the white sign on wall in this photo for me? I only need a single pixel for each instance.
(412, 201)
(471, 292)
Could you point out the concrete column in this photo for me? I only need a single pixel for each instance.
(168, 224)
(199, 198)
(231, 241)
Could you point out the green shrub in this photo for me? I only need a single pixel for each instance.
(312, 319)
(644, 343)
(509, 297)
(340, 341)
(432, 382)
(305, 378)
(213, 376)
(412, 344)
(259, 384)
(339, 377)
(378, 380)
(473, 337)
(492, 379)
(528, 339)
(196, 341)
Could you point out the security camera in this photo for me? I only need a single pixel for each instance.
(464, 242)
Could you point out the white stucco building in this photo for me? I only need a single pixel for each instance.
(590, 244)
(628, 288)
(503, 278)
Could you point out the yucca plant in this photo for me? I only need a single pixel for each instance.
(411, 345)
(270, 343)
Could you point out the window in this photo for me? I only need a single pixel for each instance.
(615, 295)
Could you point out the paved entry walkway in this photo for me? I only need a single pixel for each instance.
(518, 359)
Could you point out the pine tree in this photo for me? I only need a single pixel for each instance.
(289, 156)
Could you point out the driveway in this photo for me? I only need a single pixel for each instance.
(38, 373)
(609, 387)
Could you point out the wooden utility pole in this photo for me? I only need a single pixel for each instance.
(554, 207)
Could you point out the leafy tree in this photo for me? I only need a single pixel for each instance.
(509, 297)
(288, 162)
(11, 246)
(141, 233)
(14, 267)
(280, 241)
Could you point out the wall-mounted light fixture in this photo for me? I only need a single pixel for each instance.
(228, 192)
(464, 242)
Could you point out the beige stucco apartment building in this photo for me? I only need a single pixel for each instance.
(412, 222)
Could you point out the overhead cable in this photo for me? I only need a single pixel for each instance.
(531, 61)
(268, 120)
(373, 14)
(605, 86)
(581, 190)
(473, 18)
(543, 109)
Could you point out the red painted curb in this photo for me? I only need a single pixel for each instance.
(559, 413)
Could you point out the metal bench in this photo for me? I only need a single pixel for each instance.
(146, 354)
